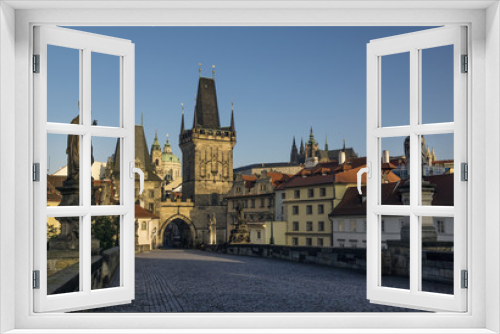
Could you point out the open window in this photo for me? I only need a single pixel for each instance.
(420, 117)
(67, 224)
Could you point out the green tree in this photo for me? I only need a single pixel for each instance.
(106, 229)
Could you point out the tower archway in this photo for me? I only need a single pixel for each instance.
(178, 232)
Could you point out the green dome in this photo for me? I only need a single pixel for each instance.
(169, 157)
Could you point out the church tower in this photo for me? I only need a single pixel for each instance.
(294, 154)
(207, 150)
(312, 146)
(302, 152)
(156, 152)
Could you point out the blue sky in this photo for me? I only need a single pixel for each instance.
(282, 80)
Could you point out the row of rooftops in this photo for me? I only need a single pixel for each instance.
(354, 204)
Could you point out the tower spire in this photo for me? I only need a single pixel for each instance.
(195, 120)
(311, 137)
(326, 142)
(142, 118)
(182, 121)
(294, 154)
(233, 128)
(343, 147)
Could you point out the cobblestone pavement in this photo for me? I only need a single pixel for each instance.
(196, 281)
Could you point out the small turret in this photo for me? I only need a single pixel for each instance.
(311, 137)
(167, 148)
(233, 128)
(156, 144)
(182, 121)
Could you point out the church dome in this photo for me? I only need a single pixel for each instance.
(169, 157)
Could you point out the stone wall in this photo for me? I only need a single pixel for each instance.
(104, 267)
(437, 264)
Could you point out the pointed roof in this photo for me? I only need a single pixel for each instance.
(233, 128)
(141, 153)
(311, 137)
(167, 148)
(206, 113)
(156, 144)
(326, 142)
(182, 121)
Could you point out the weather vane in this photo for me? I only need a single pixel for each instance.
(213, 71)
(182, 105)
(199, 64)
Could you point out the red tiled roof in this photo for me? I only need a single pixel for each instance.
(140, 212)
(276, 179)
(352, 204)
(249, 177)
(299, 181)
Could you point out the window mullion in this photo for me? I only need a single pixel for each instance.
(85, 170)
(415, 167)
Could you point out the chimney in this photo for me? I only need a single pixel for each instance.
(341, 157)
(385, 157)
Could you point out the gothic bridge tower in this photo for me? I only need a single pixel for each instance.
(207, 150)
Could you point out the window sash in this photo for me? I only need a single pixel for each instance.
(87, 43)
(375, 132)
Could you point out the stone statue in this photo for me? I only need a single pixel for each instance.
(240, 215)
(240, 233)
(407, 154)
(425, 158)
(70, 192)
(73, 152)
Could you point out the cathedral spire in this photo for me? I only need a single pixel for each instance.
(343, 147)
(326, 142)
(311, 137)
(182, 121)
(233, 128)
(294, 154)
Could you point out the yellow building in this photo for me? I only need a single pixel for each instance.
(312, 194)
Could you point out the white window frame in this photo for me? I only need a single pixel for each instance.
(483, 19)
(85, 43)
(413, 44)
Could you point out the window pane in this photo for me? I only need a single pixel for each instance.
(395, 248)
(63, 84)
(106, 89)
(106, 183)
(395, 94)
(63, 170)
(63, 255)
(437, 170)
(437, 84)
(105, 252)
(395, 189)
(437, 254)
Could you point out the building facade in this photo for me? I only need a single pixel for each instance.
(255, 196)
